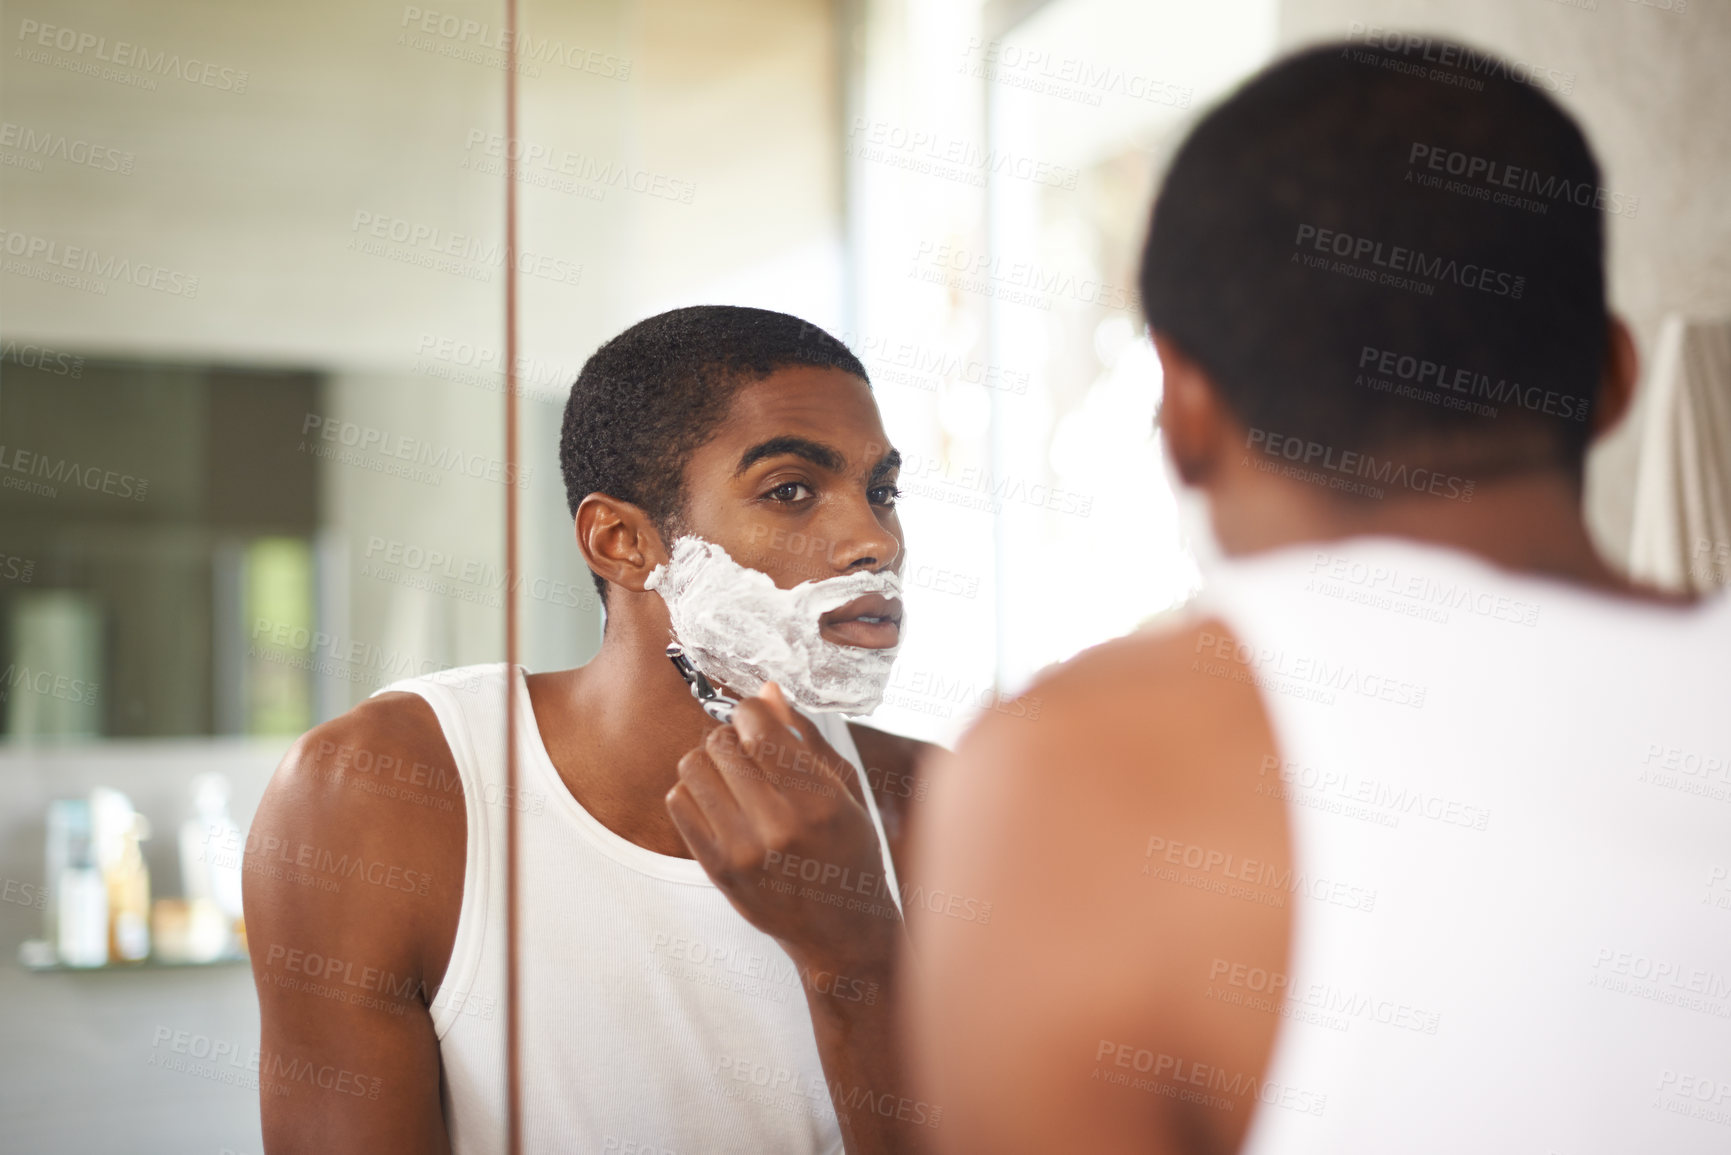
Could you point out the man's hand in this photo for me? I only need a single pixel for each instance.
(766, 808)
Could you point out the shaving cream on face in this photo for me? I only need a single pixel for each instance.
(742, 630)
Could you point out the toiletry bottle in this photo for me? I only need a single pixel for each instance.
(119, 830)
(68, 822)
(205, 870)
(212, 881)
(78, 910)
(129, 897)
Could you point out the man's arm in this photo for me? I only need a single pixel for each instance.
(351, 901)
(1100, 830)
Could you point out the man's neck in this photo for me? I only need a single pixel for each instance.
(1527, 523)
(617, 727)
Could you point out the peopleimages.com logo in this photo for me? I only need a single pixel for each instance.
(87, 47)
(1438, 377)
(88, 269)
(1499, 182)
(53, 472)
(1419, 270)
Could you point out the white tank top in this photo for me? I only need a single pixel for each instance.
(1510, 801)
(655, 1020)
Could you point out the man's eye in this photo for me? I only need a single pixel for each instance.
(789, 491)
(884, 495)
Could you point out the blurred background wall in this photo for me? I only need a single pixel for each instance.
(267, 303)
(251, 312)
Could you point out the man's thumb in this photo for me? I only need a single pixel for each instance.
(777, 702)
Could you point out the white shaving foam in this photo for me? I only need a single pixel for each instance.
(741, 630)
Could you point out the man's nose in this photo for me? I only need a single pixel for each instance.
(862, 541)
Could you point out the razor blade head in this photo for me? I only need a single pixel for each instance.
(716, 704)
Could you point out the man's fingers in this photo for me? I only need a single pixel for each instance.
(769, 743)
(753, 777)
(757, 720)
(756, 725)
(688, 819)
(778, 706)
(708, 789)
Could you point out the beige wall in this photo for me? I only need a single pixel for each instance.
(254, 192)
(691, 154)
(729, 125)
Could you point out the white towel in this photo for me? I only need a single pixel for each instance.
(1681, 536)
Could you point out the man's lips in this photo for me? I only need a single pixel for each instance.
(872, 622)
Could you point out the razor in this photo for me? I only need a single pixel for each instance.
(716, 704)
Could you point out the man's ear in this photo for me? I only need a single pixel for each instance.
(618, 540)
(1617, 382)
(1192, 420)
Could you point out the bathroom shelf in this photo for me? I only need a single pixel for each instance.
(28, 959)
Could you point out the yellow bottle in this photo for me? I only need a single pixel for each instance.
(129, 900)
(119, 829)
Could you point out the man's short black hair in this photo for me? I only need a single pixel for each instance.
(650, 396)
(1378, 247)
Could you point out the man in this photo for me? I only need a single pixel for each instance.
(1411, 838)
(707, 913)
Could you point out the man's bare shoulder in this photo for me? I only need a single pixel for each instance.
(395, 725)
(364, 822)
(1156, 683)
(1064, 816)
(1135, 731)
(353, 883)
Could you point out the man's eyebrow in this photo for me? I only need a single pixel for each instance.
(816, 452)
(887, 464)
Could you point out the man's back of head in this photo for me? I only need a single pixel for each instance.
(1346, 217)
